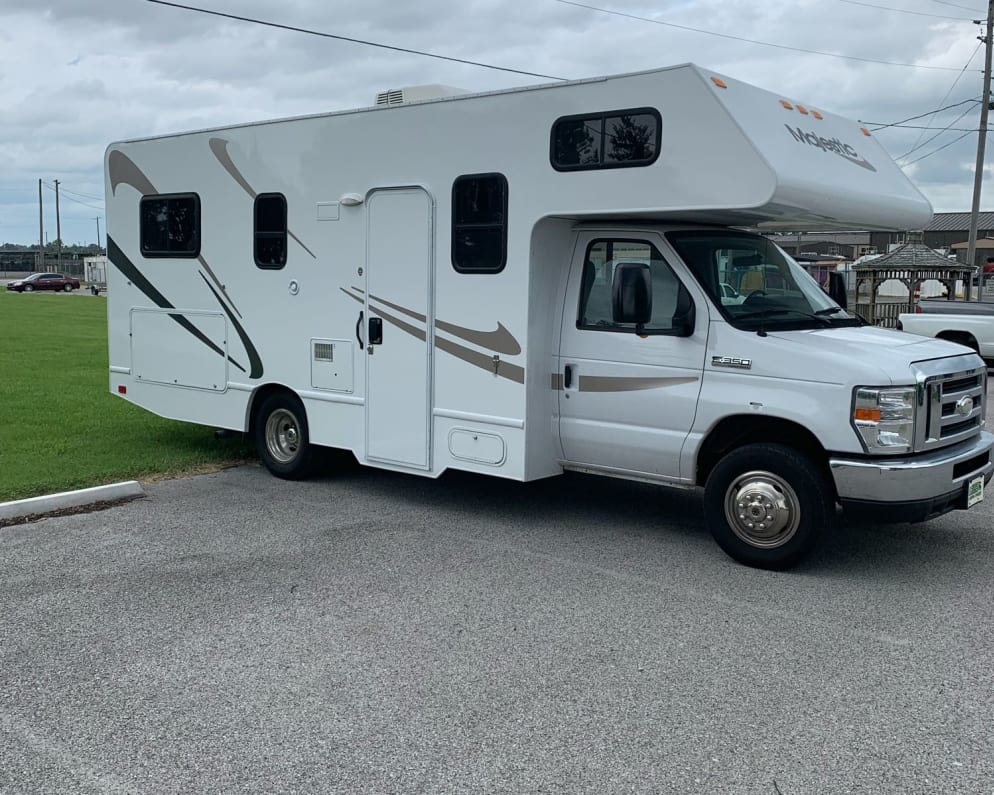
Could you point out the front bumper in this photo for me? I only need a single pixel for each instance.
(915, 488)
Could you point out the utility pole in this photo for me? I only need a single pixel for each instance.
(97, 219)
(58, 225)
(41, 232)
(978, 176)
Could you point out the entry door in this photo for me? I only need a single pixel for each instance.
(398, 326)
(628, 401)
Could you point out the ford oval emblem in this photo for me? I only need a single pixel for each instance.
(964, 405)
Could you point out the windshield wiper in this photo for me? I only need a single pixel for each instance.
(784, 311)
(829, 311)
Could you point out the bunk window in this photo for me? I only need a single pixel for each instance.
(479, 223)
(170, 225)
(270, 231)
(614, 139)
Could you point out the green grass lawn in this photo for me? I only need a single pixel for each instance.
(60, 428)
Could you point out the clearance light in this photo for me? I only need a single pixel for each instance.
(786, 104)
(870, 415)
(817, 115)
(803, 109)
(719, 82)
(866, 132)
(122, 389)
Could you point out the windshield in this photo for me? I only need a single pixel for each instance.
(755, 284)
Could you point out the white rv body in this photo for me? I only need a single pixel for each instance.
(470, 371)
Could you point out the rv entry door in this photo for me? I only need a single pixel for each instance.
(629, 390)
(397, 320)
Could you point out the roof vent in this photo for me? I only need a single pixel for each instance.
(403, 96)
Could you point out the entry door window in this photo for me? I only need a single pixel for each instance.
(603, 256)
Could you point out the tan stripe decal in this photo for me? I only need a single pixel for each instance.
(219, 146)
(501, 340)
(511, 372)
(605, 383)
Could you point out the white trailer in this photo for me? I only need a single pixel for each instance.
(544, 279)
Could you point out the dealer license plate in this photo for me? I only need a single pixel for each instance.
(975, 491)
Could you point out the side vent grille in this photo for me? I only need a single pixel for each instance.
(324, 352)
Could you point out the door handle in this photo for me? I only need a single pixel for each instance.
(358, 325)
(376, 331)
(568, 377)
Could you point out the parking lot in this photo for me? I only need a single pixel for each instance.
(374, 632)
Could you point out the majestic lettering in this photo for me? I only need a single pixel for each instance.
(831, 145)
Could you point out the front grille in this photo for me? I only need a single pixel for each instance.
(953, 405)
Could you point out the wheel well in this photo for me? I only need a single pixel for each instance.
(260, 395)
(962, 337)
(742, 429)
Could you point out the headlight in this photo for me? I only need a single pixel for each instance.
(884, 418)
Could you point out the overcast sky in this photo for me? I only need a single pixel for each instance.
(76, 75)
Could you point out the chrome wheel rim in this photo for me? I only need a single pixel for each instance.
(282, 436)
(762, 509)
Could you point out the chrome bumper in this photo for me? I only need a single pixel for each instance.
(923, 477)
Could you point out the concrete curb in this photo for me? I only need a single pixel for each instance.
(128, 489)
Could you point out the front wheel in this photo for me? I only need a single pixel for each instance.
(282, 438)
(67, 288)
(28, 288)
(767, 505)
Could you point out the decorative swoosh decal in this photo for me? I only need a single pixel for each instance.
(122, 170)
(127, 267)
(219, 146)
(511, 372)
(501, 340)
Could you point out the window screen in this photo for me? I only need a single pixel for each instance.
(269, 226)
(170, 225)
(479, 223)
(614, 139)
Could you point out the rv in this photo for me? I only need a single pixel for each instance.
(543, 279)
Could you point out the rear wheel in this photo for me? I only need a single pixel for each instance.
(282, 438)
(767, 505)
(67, 288)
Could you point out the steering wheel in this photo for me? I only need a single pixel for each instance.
(753, 295)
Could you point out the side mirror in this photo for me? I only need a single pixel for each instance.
(837, 289)
(631, 293)
(685, 315)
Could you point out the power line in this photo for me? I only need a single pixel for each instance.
(929, 140)
(904, 11)
(353, 41)
(83, 195)
(744, 39)
(77, 201)
(934, 151)
(943, 100)
(957, 5)
(882, 126)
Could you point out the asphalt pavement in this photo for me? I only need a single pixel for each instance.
(373, 632)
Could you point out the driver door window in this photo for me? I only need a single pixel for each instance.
(595, 306)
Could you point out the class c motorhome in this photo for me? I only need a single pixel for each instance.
(544, 279)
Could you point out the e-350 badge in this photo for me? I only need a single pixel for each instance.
(731, 361)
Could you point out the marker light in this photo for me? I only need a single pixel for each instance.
(719, 82)
(817, 115)
(803, 109)
(122, 389)
(786, 104)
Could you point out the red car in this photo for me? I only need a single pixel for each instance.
(44, 281)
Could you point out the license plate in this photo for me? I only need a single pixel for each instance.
(975, 491)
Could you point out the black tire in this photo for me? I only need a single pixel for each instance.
(767, 505)
(28, 289)
(282, 438)
(67, 288)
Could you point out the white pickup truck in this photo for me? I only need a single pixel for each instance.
(969, 323)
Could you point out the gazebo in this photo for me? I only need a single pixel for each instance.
(910, 264)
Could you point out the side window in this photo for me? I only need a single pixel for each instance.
(615, 139)
(479, 223)
(269, 230)
(170, 225)
(595, 309)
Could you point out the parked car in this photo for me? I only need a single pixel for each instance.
(44, 281)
